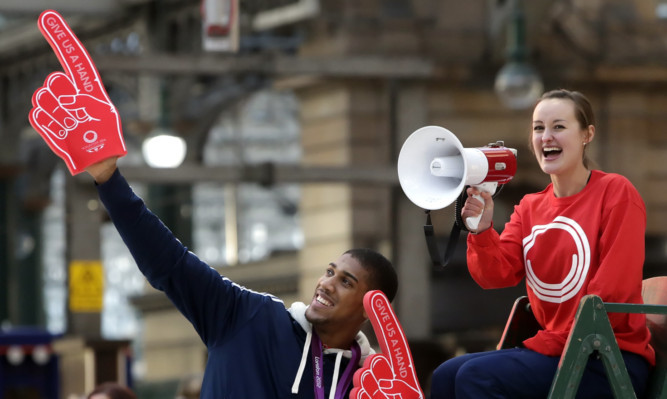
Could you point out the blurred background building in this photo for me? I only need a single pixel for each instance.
(290, 115)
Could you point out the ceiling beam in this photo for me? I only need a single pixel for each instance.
(287, 14)
(371, 66)
(66, 6)
(63, 6)
(631, 74)
(265, 174)
(343, 66)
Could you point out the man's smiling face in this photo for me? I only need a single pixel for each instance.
(339, 295)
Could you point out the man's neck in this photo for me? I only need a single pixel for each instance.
(335, 339)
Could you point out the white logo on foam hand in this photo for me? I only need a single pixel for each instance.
(572, 283)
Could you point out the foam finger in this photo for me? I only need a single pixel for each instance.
(73, 57)
(60, 84)
(381, 368)
(40, 121)
(45, 100)
(390, 336)
(370, 385)
(45, 124)
(359, 393)
(364, 395)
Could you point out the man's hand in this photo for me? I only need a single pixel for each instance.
(103, 170)
(72, 111)
(390, 375)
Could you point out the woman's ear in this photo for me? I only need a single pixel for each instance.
(589, 134)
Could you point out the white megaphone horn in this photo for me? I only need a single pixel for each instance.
(434, 168)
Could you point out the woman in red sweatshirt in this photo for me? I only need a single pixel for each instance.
(583, 234)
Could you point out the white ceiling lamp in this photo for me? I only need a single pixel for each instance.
(162, 148)
(518, 84)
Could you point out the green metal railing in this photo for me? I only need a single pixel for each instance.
(592, 332)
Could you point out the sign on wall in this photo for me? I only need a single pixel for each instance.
(86, 286)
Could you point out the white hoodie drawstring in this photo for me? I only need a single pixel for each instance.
(297, 310)
(302, 365)
(334, 382)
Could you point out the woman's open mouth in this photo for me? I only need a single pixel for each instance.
(551, 152)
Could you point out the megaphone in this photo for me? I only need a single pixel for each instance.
(434, 168)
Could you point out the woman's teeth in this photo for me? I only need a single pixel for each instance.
(551, 151)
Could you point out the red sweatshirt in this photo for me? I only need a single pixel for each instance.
(588, 243)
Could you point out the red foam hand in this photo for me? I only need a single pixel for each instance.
(72, 111)
(390, 374)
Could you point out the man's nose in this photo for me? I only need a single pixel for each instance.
(327, 283)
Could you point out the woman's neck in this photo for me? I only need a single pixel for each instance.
(565, 186)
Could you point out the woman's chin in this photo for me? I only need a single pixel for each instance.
(549, 167)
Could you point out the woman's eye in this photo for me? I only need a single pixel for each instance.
(538, 128)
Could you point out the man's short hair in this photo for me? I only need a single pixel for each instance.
(382, 275)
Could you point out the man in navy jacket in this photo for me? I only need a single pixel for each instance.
(256, 347)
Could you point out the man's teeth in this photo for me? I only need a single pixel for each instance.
(323, 301)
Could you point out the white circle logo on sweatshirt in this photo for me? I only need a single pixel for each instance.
(572, 282)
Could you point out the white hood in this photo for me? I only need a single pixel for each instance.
(298, 312)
